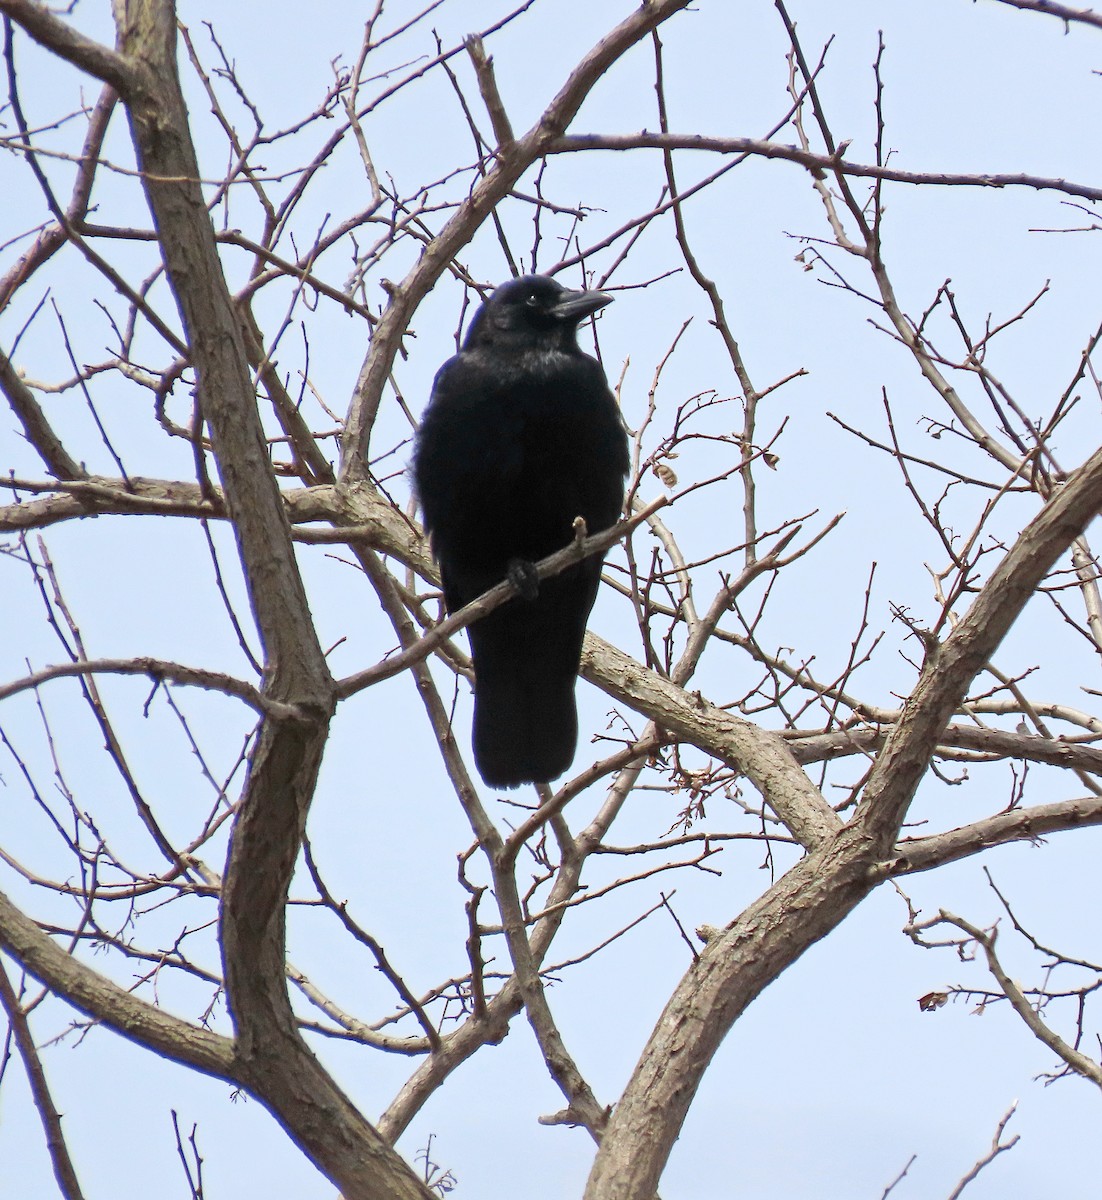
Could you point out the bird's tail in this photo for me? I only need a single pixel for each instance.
(525, 724)
(526, 665)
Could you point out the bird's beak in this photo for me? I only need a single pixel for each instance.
(576, 306)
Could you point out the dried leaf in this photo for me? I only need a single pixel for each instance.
(665, 474)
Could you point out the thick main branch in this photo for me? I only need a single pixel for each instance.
(820, 891)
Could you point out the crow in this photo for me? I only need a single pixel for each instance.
(522, 435)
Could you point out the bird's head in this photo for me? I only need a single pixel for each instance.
(533, 310)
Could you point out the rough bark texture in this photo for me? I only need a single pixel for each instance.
(820, 892)
(272, 1060)
(296, 700)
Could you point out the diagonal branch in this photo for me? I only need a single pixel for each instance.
(64, 1171)
(60, 37)
(1080, 1063)
(553, 564)
(735, 965)
(55, 235)
(822, 889)
(35, 426)
(762, 756)
(487, 85)
(512, 161)
(105, 1001)
(951, 666)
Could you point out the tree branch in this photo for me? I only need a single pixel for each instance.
(64, 1171)
(157, 669)
(105, 1001)
(817, 163)
(54, 34)
(513, 160)
(762, 756)
(951, 667)
(1080, 1063)
(1063, 12)
(1023, 824)
(821, 890)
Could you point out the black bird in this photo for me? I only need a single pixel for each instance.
(522, 435)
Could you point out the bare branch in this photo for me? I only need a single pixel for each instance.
(418, 651)
(1077, 1061)
(760, 755)
(997, 1148)
(950, 668)
(1063, 12)
(487, 85)
(64, 1171)
(56, 35)
(1026, 824)
(811, 161)
(512, 162)
(159, 670)
(105, 1001)
(35, 426)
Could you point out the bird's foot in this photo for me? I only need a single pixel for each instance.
(523, 576)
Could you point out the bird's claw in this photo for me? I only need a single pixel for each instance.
(523, 576)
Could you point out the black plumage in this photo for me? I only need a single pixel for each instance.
(522, 435)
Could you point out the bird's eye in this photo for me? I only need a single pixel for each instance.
(533, 302)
